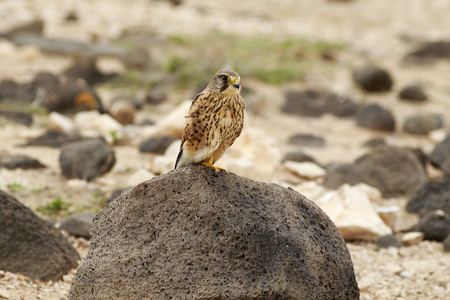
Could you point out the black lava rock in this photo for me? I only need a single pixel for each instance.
(19, 162)
(86, 159)
(31, 246)
(373, 79)
(440, 156)
(413, 93)
(375, 117)
(423, 124)
(157, 145)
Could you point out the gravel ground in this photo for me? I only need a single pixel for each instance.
(379, 32)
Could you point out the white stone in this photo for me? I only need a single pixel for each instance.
(389, 215)
(308, 170)
(350, 209)
(412, 238)
(139, 176)
(94, 124)
(438, 135)
(4, 293)
(60, 122)
(172, 124)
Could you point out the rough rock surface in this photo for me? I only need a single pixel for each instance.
(31, 246)
(394, 171)
(193, 234)
(440, 157)
(431, 196)
(375, 117)
(86, 159)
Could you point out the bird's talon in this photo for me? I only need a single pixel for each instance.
(216, 169)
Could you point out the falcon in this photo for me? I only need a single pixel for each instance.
(214, 121)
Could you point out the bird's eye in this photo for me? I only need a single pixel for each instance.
(225, 78)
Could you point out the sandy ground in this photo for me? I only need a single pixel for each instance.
(379, 32)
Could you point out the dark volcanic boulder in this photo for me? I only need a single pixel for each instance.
(78, 224)
(31, 246)
(423, 124)
(432, 196)
(157, 145)
(313, 103)
(375, 117)
(440, 156)
(394, 171)
(19, 162)
(412, 93)
(86, 159)
(373, 79)
(435, 225)
(191, 234)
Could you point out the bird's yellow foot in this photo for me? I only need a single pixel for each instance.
(216, 169)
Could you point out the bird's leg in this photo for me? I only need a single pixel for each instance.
(210, 164)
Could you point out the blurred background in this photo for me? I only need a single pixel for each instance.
(352, 92)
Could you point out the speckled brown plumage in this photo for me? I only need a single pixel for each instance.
(214, 121)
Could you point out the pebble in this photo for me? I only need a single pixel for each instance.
(412, 238)
(308, 170)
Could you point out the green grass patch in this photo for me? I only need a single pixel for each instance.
(55, 208)
(269, 59)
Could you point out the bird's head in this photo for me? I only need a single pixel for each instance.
(225, 81)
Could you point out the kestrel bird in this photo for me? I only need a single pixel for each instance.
(214, 121)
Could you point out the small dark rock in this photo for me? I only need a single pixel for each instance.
(19, 162)
(157, 145)
(394, 171)
(387, 241)
(17, 117)
(423, 124)
(78, 224)
(16, 93)
(147, 123)
(31, 246)
(137, 58)
(429, 51)
(299, 156)
(156, 95)
(373, 79)
(84, 66)
(52, 138)
(446, 243)
(306, 140)
(71, 16)
(313, 103)
(440, 156)
(75, 95)
(86, 159)
(434, 195)
(413, 93)
(375, 117)
(374, 142)
(435, 225)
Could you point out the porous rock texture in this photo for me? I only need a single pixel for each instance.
(31, 246)
(191, 234)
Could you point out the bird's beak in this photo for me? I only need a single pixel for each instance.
(236, 83)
